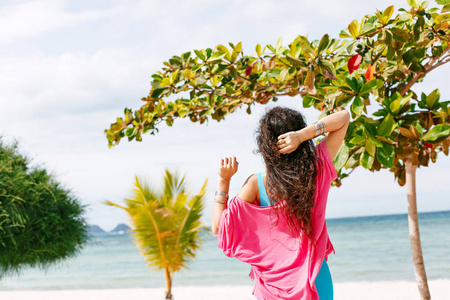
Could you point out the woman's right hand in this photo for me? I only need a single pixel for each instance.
(288, 142)
(228, 167)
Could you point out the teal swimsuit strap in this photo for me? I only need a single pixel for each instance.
(264, 199)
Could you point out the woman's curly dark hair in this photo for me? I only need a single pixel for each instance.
(290, 177)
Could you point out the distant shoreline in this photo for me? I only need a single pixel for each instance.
(420, 214)
(330, 220)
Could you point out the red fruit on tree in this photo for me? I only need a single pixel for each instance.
(249, 69)
(354, 62)
(429, 146)
(369, 72)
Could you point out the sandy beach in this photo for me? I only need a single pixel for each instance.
(381, 290)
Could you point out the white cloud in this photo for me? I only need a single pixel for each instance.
(30, 19)
(41, 86)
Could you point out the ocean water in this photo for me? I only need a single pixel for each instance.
(367, 249)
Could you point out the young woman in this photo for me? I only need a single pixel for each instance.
(277, 221)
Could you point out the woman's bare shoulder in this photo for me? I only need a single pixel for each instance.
(249, 191)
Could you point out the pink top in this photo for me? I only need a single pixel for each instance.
(282, 266)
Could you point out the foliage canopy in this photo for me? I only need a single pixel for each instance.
(41, 222)
(374, 63)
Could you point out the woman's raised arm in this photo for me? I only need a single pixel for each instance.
(335, 124)
(227, 168)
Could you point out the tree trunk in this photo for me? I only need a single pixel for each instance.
(414, 235)
(168, 284)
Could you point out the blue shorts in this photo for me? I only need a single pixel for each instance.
(324, 283)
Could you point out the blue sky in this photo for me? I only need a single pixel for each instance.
(69, 68)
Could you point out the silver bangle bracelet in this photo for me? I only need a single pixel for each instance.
(221, 202)
(221, 194)
(320, 127)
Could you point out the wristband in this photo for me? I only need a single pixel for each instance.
(320, 127)
(221, 194)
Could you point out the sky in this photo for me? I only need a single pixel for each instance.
(69, 68)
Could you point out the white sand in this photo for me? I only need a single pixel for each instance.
(385, 290)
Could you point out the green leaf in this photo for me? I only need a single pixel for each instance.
(279, 42)
(386, 155)
(390, 53)
(357, 139)
(370, 147)
(328, 69)
(185, 57)
(417, 67)
(388, 12)
(233, 73)
(377, 143)
(418, 27)
(323, 44)
(366, 160)
(306, 46)
(295, 61)
(438, 133)
(413, 3)
(217, 56)
(369, 86)
(156, 93)
(353, 28)
(308, 101)
(357, 105)
(130, 131)
(345, 34)
(419, 128)
(433, 98)
(238, 47)
(397, 105)
(200, 54)
(399, 34)
(387, 126)
(443, 2)
(341, 157)
(408, 56)
(258, 50)
(274, 73)
(353, 84)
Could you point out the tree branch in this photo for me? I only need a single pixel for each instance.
(429, 66)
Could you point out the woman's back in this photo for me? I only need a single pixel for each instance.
(286, 243)
(283, 266)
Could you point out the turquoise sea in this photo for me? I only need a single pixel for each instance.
(367, 249)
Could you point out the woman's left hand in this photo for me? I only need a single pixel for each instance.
(288, 142)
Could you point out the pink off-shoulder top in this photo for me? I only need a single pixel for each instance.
(282, 266)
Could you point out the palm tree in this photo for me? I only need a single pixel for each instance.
(166, 225)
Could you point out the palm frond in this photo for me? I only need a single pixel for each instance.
(107, 202)
(174, 184)
(166, 226)
(188, 239)
(142, 193)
